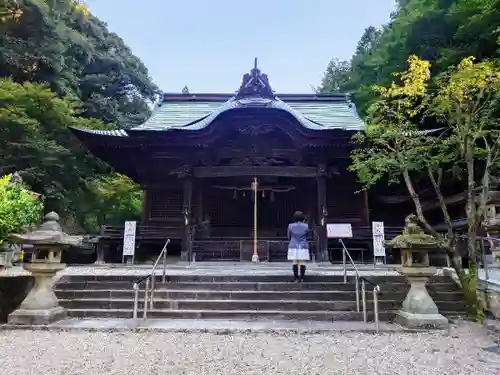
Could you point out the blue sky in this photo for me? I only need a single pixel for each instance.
(209, 45)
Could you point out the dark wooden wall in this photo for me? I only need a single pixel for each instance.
(343, 203)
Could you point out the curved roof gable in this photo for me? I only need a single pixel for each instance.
(197, 111)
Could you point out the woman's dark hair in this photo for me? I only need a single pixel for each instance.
(298, 216)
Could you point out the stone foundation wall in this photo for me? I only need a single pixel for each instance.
(13, 290)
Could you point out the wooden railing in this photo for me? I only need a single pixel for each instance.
(143, 232)
(242, 250)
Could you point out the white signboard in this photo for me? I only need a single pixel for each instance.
(129, 238)
(378, 239)
(339, 230)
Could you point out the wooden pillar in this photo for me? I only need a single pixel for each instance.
(100, 259)
(199, 202)
(367, 208)
(144, 207)
(187, 180)
(322, 241)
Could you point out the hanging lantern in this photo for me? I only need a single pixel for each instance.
(272, 196)
(263, 194)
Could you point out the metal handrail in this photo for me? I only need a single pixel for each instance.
(150, 281)
(358, 278)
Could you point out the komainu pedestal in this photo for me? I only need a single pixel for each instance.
(41, 305)
(419, 309)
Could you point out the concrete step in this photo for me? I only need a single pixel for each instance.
(185, 304)
(230, 314)
(386, 287)
(206, 294)
(276, 305)
(270, 276)
(221, 286)
(246, 296)
(206, 278)
(246, 315)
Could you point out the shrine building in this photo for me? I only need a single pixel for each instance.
(197, 156)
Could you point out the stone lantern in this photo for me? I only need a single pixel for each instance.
(41, 305)
(418, 310)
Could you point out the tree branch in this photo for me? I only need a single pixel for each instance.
(485, 180)
(416, 201)
(442, 203)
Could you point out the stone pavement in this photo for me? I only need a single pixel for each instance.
(212, 269)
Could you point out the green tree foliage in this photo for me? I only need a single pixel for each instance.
(76, 54)
(336, 77)
(9, 11)
(119, 199)
(62, 67)
(393, 148)
(440, 31)
(20, 209)
(36, 142)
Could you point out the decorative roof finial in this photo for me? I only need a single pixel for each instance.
(254, 84)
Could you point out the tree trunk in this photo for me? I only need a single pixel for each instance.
(468, 281)
(416, 201)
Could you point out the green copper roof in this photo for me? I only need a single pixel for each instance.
(190, 114)
(178, 114)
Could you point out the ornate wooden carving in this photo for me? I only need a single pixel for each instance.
(256, 161)
(254, 130)
(250, 155)
(322, 170)
(255, 83)
(182, 172)
(230, 171)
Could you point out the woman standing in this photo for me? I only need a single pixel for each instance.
(298, 249)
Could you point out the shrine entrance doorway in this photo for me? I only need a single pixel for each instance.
(229, 203)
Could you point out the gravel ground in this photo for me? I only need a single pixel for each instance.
(90, 353)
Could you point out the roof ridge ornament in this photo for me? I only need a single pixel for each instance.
(254, 84)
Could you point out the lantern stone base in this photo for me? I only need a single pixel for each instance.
(421, 321)
(40, 305)
(495, 256)
(419, 310)
(37, 317)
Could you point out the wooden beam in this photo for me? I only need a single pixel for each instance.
(279, 171)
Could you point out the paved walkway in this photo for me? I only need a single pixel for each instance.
(212, 269)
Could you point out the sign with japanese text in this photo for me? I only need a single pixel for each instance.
(339, 230)
(129, 238)
(378, 238)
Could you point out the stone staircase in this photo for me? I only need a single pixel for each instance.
(245, 297)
